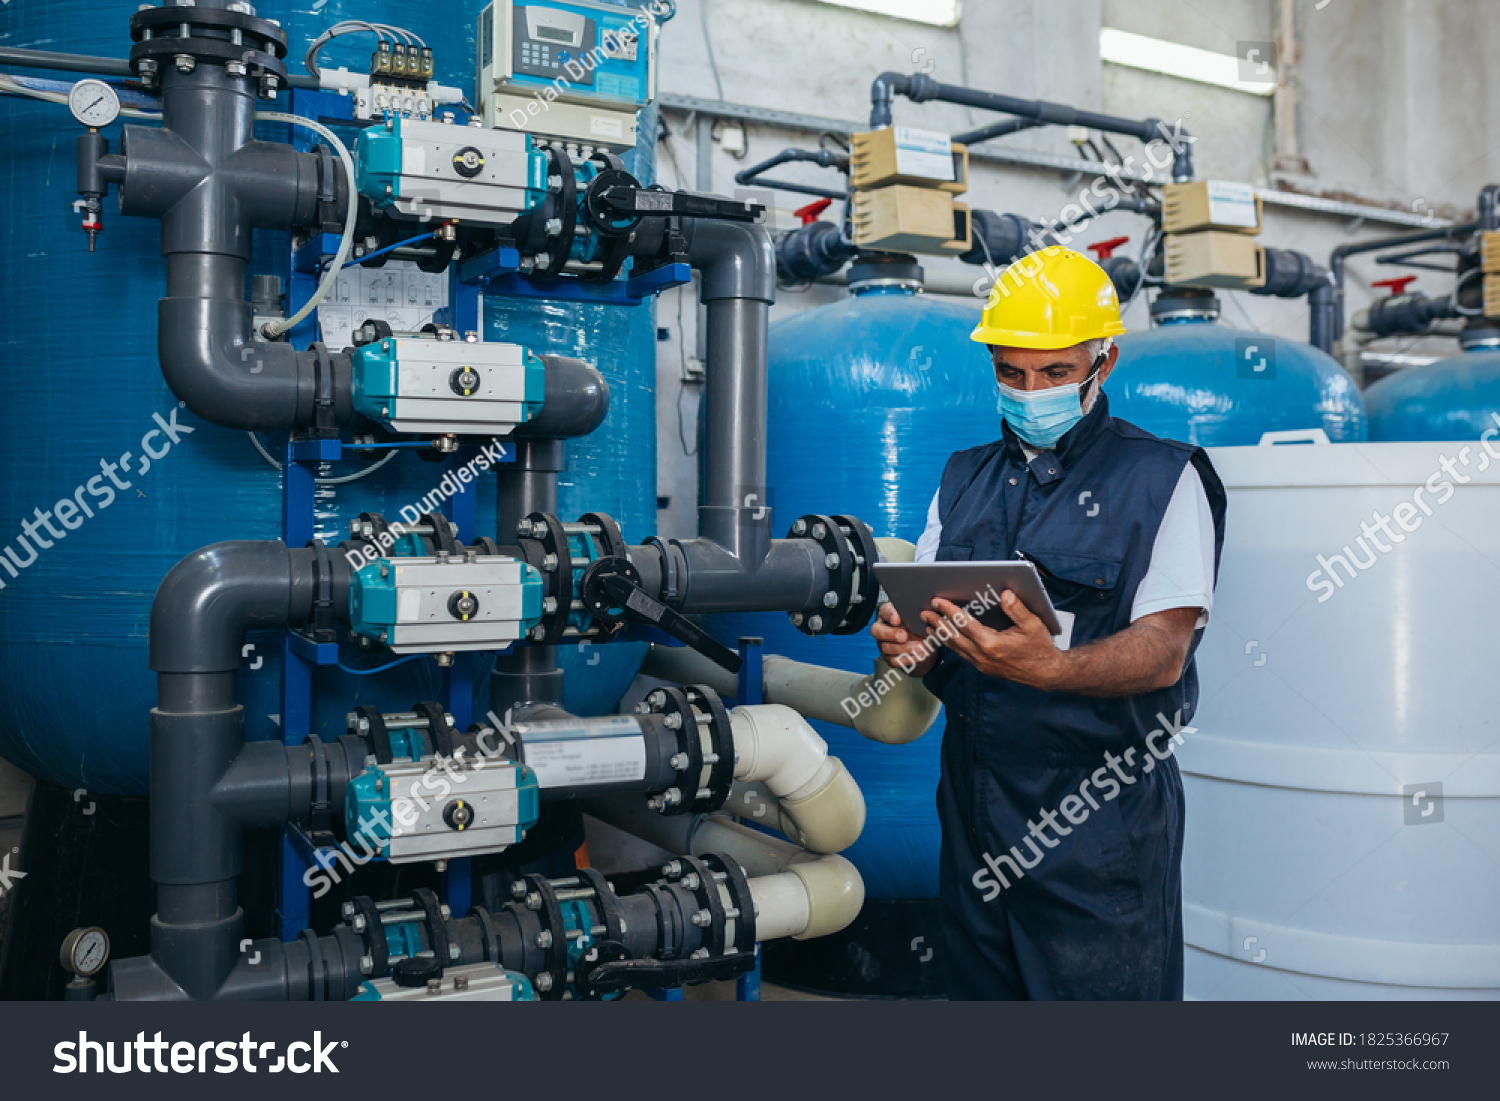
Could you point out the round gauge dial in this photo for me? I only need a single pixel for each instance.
(85, 951)
(94, 103)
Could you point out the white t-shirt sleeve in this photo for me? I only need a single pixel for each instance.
(1181, 573)
(932, 535)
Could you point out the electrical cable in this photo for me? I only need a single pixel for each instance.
(380, 668)
(354, 26)
(388, 248)
(342, 480)
(276, 328)
(708, 41)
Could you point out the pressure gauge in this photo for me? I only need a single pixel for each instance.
(85, 951)
(94, 103)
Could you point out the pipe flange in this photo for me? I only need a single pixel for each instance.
(606, 903)
(442, 539)
(565, 208)
(440, 733)
(610, 541)
(547, 531)
(705, 702)
(437, 926)
(738, 886)
(668, 702)
(707, 894)
(369, 724)
(838, 556)
(552, 922)
(207, 35)
(373, 935)
(865, 597)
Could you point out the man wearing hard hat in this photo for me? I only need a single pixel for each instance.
(1060, 798)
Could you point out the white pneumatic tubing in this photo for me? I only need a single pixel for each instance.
(276, 328)
(820, 805)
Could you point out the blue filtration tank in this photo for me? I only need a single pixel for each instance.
(868, 398)
(83, 387)
(1189, 378)
(1453, 399)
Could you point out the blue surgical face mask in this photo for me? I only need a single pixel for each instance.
(1042, 417)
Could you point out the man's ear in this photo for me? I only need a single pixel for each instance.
(1110, 359)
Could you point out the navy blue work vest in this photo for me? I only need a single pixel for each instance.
(1087, 511)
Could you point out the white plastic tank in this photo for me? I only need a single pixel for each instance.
(1343, 784)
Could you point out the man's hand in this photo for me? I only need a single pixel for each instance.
(918, 654)
(1147, 655)
(1023, 653)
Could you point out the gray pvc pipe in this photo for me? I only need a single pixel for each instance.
(738, 267)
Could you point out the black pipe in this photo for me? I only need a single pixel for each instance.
(826, 158)
(812, 251)
(920, 88)
(1408, 314)
(1340, 255)
(527, 673)
(99, 66)
(1322, 313)
(996, 130)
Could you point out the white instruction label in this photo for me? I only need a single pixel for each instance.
(927, 153)
(400, 294)
(600, 753)
(1231, 204)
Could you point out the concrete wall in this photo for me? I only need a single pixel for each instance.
(1376, 121)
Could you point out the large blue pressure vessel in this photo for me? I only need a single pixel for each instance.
(1191, 379)
(868, 398)
(83, 387)
(1453, 399)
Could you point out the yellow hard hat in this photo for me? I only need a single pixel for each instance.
(1052, 298)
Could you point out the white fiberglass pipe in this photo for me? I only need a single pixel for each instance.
(796, 893)
(820, 805)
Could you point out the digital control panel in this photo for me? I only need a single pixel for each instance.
(567, 69)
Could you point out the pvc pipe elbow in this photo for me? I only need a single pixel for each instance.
(832, 817)
(902, 713)
(776, 745)
(835, 895)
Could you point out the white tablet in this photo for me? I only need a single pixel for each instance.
(974, 586)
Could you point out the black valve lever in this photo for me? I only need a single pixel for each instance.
(644, 202)
(612, 593)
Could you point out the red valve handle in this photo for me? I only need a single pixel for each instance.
(1398, 285)
(1106, 249)
(809, 213)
